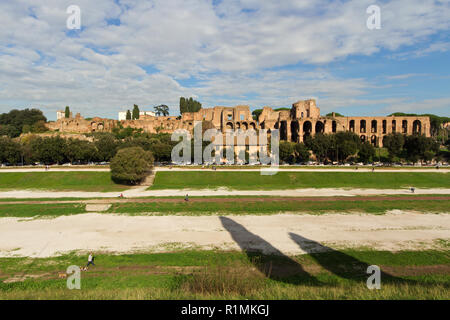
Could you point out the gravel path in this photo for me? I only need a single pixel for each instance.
(142, 192)
(291, 234)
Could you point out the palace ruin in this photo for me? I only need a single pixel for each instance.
(302, 120)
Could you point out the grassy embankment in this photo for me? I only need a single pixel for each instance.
(232, 275)
(296, 180)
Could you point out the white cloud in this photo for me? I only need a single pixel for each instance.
(231, 47)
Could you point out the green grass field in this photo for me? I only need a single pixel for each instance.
(237, 207)
(275, 207)
(294, 180)
(232, 275)
(59, 181)
(33, 210)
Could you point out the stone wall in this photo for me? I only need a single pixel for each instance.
(295, 125)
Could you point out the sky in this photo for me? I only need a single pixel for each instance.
(225, 53)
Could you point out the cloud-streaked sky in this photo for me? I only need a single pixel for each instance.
(225, 52)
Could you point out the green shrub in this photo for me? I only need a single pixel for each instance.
(131, 165)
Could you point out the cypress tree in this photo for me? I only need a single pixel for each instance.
(135, 112)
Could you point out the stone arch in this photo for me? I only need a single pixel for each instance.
(394, 126)
(363, 138)
(320, 127)
(229, 125)
(244, 125)
(352, 126)
(373, 140)
(283, 130)
(295, 129)
(334, 126)
(373, 126)
(384, 126)
(238, 125)
(307, 129)
(362, 126)
(417, 127)
(100, 126)
(252, 126)
(404, 126)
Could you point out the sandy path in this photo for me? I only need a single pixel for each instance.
(115, 233)
(142, 192)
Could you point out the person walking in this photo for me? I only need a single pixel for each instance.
(90, 260)
(186, 198)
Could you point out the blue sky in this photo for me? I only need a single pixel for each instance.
(246, 52)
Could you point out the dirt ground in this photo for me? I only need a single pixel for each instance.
(143, 192)
(290, 234)
(102, 202)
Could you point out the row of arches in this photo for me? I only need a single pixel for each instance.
(243, 126)
(307, 128)
(363, 128)
(373, 140)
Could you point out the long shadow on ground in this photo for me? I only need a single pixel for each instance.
(341, 264)
(275, 265)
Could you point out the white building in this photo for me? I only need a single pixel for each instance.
(60, 114)
(123, 114)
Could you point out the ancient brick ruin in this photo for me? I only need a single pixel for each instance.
(302, 120)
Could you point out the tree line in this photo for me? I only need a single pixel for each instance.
(340, 147)
(103, 147)
(347, 147)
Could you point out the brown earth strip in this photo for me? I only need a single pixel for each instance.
(240, 199)
(398, 271)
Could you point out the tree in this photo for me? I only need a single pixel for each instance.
(10, 151)
(80, 151)
(345, 144)
(320, 145)
(13, 122)
(49, 150)
(106, 147)
(39, 127)
(394, 142)
(256, 113)
(135, 114)
(128, 117)
(286, 150)
(366, 152)
(301, 153)
(416, 147)
(131, 165)
(162, 110)
(183, 107)
(189, 105)
(67, 112)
